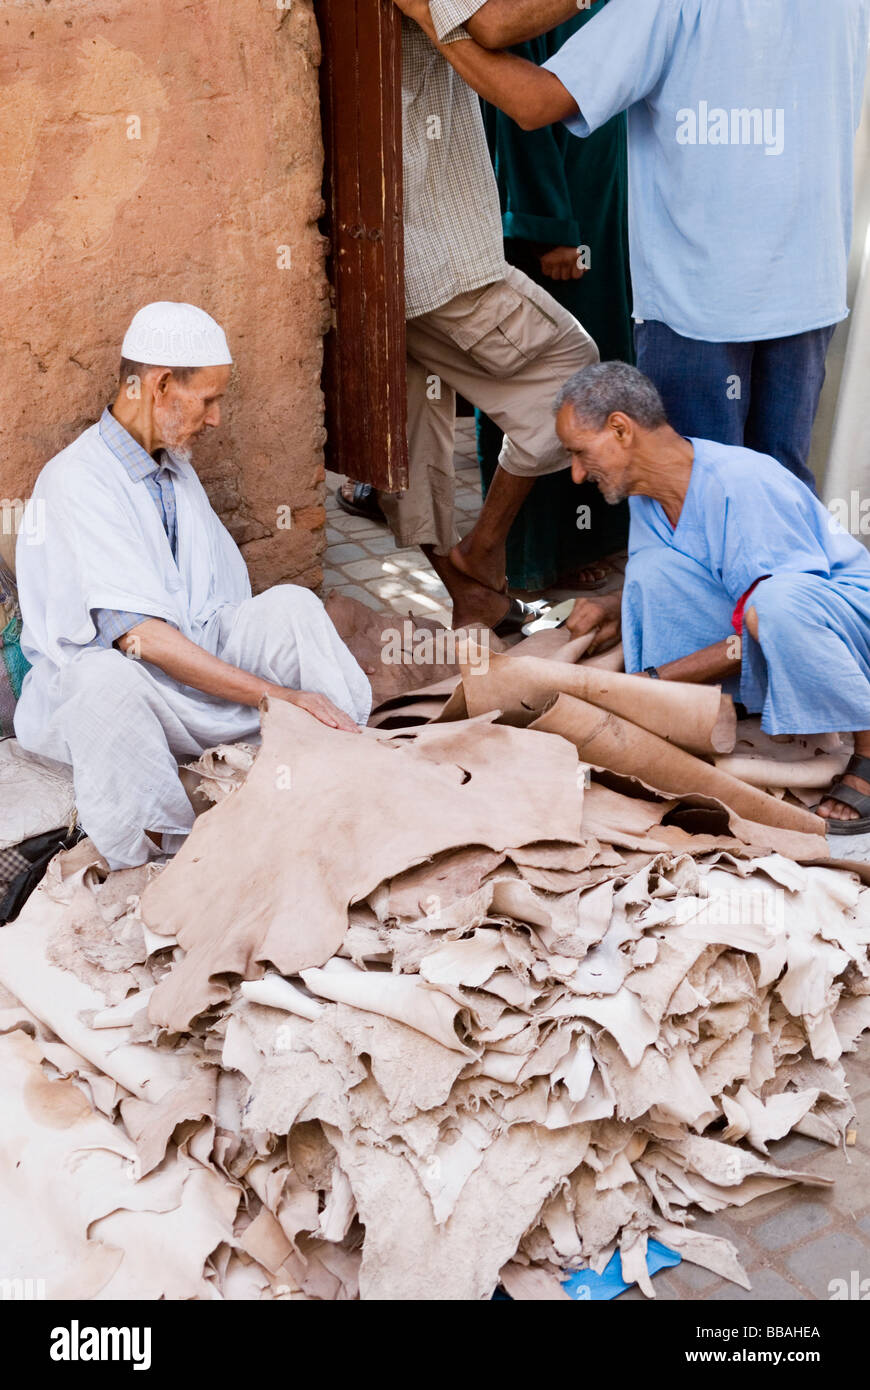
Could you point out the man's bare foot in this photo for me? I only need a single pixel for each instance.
(831, 809)
(592, 576)
(473, 604)
(485, 570)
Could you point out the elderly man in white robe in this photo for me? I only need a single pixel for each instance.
(146, 646)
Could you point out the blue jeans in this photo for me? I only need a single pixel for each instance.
(762, 395)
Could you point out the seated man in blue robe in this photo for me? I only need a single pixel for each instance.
(737, 574)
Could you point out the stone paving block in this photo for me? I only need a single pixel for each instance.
(334, 536)
(382, 544)
(832, 1256)
(429, 583)
(404, 560)
(851, 1174)
(405, 598)
(370, 568)
(340, 554)
(390, 587)
(713, 1223)
(794, 1221)
(794, 1149)
(376, 531)
(766, 1285)
(856, 1069)
(691, 1279)
(333, 579)
(359, 526)
(862, 1121)
(754, 1212)
(362, 595)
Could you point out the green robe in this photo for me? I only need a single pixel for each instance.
(558, 190)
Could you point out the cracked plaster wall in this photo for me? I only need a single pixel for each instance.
(168, 151)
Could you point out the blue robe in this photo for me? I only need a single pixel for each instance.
(746, 517)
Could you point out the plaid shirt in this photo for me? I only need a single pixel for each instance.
(157, 477)
(453, 231)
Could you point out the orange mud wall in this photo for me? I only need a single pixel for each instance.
(168, 150)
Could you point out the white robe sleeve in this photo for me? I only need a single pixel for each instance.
(86, 544)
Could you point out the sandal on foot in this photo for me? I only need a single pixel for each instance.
(511, 625)
(850, 796)
(365, 502)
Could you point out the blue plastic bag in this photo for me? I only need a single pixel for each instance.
(585, 1286)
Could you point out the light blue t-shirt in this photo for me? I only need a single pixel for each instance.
(741, 117)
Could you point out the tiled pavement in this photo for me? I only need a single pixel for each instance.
(791, 1243)
(362, 561)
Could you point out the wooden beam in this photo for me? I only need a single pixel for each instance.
(364, 376)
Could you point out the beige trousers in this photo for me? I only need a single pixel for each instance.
(507, 348)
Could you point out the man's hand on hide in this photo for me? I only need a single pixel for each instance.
(320, 707)
(603, 613)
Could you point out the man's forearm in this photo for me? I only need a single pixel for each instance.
(162, 645)
(709, 664)
(531, 96)
(501, 23)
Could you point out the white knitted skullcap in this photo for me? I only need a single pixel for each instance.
(165, 334)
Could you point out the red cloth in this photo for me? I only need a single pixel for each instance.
(737, 615)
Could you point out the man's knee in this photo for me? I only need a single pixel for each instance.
(283, 606)
(659, 565)
(575, 350)
(103, 680)
(778, 600)
(285, 598)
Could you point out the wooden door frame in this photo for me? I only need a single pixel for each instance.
(364, 368)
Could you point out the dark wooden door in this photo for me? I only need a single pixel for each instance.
(364, 375)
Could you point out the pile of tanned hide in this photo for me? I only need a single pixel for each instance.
(417, 1012)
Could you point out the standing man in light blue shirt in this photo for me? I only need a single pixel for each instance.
(742, 115)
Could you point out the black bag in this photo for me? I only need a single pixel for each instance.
(22, 867)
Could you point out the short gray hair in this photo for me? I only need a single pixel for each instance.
(138, 369)
(596, 392)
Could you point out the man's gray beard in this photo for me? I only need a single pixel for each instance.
(182, 452)
(613, 495)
